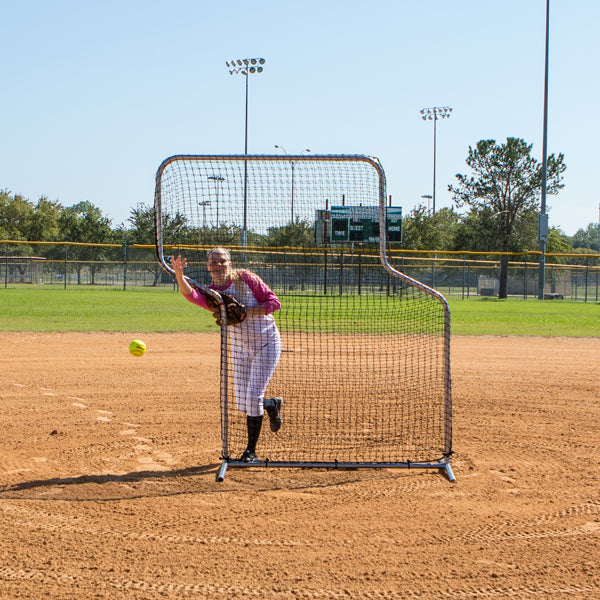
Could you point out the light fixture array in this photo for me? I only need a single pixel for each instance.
(245, 65)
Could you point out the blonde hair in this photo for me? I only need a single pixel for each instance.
(219, 249)
(234, 273)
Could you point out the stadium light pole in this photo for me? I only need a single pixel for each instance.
(293, 165)
(246, 67)
(218, 179)
(433, 114)
(204, 204)
(428, 197)
(543, 216)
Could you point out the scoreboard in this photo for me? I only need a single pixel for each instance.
(357, 224)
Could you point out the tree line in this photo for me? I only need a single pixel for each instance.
(495, 209)
(476, 230)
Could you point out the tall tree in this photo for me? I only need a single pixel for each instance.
(43, 225)
(15, 216)
(480, 230)
(588, 238)
(143, 232)
(299, 233)
(84, 222)
(142, 221)
(20, 220)
(507, 181)
(423, 230)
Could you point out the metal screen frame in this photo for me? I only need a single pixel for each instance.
(443, 464)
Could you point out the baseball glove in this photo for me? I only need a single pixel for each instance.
(236, 311)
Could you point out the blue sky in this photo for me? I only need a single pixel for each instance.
(95, 94)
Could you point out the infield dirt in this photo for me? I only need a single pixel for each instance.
(108, 466)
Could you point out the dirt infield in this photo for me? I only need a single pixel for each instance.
(108, 465)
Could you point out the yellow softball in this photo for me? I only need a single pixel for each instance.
(137, 348)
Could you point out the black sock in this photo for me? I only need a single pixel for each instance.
(254, 425)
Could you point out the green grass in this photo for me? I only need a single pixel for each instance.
(83, 308)
(93, 309)
(489, 316)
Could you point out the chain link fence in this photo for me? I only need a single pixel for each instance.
(573, 277)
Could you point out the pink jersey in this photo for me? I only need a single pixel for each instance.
(251, 291)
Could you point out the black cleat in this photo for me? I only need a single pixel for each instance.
(249, 457)
(273, 407)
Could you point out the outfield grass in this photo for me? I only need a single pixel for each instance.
(93, 309)
(163, 309)
(514, 316)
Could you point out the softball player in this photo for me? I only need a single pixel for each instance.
(255, 342)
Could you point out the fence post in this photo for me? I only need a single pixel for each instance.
(125, 266)
(468, 281)
(341, 283)
(587, 275)
(325, 239)
(464, 275)
(6, 267)
(597, 272)
(525, 282)
(66, 259)
(360, 269)
(325, 271)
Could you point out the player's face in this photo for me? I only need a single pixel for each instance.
(219, 266)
